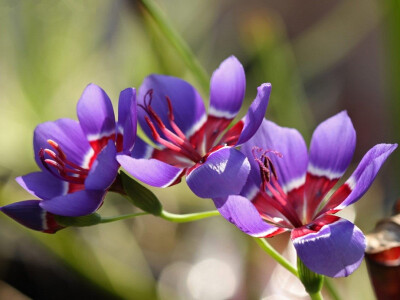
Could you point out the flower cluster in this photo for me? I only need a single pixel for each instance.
(77, 160)
(289, 190)
(259, 175)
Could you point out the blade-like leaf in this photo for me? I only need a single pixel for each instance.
(140, 196)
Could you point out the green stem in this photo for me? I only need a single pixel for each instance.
(177, 218)
(188, 217)
(275, 255)
(123, 217)
(177, 42)
(331, 289)
(316, 296)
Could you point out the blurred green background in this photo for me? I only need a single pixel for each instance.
(320, 56)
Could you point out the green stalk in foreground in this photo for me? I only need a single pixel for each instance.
(330, 288)
(275, 255)
(316, 296)
(312, 282)
(178, 43)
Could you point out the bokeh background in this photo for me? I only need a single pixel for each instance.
(320, 56)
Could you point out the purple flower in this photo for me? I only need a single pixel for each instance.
(31, 215)
(190, 142)
(77, 159)
(287, 192)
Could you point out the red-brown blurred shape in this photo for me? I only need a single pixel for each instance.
(383, 258)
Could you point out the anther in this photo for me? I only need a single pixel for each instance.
(57, 148)
(60, 166)
(174, 140)
(267, 168)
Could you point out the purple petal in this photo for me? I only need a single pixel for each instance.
(330, 246)
(75, 204)
(332, 147)
(127, 118)
(68, 135)
(31, 215)
(151, 171)
(43, 185)
(95, 113)
(361, 179)
(227, 88)
(104, 169)
(241, 212)
(141, 149)
(223, 173)
(188, 107)
(254, 117)
(291, 167)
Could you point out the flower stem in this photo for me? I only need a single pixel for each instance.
(316, 296)
(275, 255)
(331, 290)
(177, 218)
(177, 42)
(123, 217)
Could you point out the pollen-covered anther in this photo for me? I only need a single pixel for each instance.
(269, 183)
(265, 164)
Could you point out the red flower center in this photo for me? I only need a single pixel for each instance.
(175, 140)
(271, 191)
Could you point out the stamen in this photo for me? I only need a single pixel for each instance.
(269, 182)
(62, 155)
(66, 170)
(265, 164)
(45, 164)
(168, 144)
(172, 119)
(53, 155)
(57, 148)
(53, 163)
(176, 141)
(158, 138)
(148, 95)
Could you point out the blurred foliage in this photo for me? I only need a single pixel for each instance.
(50, 50)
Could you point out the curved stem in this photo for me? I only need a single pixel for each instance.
(275, 255)
(123, 217)
(178, 43)
(177, 218)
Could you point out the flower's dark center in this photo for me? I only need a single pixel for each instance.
(58, 164)
(174, 140)
(266, 167)
(269, 183)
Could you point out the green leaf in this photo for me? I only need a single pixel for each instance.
(140, 196)
(83, 221)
